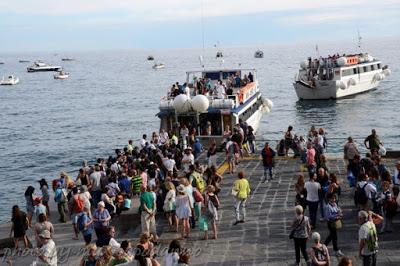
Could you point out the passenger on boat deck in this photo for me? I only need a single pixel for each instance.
(238, 80)
(229, 91)
(163, 136)
(143, 141)
(186, 90)
(220, 89)
(251, 77)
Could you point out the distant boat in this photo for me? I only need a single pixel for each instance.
(11, 80)
(219, 55)
(150, 58)
(259, 54)
(61, 75)
(1, 63)
(40, 66)
(158, 66)
(24, 61)
(67, 59)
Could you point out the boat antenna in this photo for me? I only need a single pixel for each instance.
(202, 35)
(359, 41)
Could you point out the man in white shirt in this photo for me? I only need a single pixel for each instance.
(187, 160)
(142, 142)
(169, 163)
(220, 89)
(186, 89)
(367, 239)
(47, 254)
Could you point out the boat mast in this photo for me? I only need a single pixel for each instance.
(359, 41)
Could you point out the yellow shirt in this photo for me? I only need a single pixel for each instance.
(242, 187)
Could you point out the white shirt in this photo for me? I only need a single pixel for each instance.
(363, 233)
(163, 137)
(190, 159)
(142, 143)
(220, 91)
(187, 91)
(114, 244)
(169, 164)
(369, 189)
(50, 252)
(312, 190)
(171, 259)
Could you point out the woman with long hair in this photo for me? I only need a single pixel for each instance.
(42, 225)
(30, 207)
(301, 192)
(44, 188)
(19, 226)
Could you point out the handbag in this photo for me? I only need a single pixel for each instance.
(337, 224)
(291, 235)
(203, 225)
(234, 192)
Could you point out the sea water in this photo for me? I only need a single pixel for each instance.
(50, 125)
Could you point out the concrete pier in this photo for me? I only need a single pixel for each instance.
(261, 240)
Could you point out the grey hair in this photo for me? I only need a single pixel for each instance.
(363, 215)
(316, 237)
(298, 209)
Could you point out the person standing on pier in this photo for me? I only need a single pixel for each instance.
(241, 191)
(268, 156)
(373, 142)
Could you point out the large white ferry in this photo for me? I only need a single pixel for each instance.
(203, 103)
(337, 76)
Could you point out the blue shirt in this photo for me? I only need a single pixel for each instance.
(332, 211)
(125, 185)
(197, 147)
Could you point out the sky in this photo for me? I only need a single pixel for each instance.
(73, 25)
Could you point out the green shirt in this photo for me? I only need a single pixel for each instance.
(117, 261)
(146, 198)
(136, 183)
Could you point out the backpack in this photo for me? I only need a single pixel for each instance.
(80, 223)
(390, 207)
(360, 195)
(61, 197)
(197, 196)
(320, 253)
(198, 182)
(214, 201)
(79, 204)
(372, 239)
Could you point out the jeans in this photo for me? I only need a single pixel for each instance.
(300, 244)
(61, 210)
(332, 237)
(96, 196)
(240, 205)
(313, 210)
(268, 168)
(369, 260)
(322, 206)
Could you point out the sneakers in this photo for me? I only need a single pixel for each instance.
(339, 253)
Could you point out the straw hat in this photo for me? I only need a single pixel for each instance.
(45, 234)
(181, 189)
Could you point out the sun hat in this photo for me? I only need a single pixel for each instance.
(45, 234)
(181, 189)
(101, 203)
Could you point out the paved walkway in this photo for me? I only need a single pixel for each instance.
(262, 240)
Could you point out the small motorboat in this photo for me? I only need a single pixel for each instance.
(1, 63)
(11, 80)
(61, 75)
(40, 66)
(150, 58)
(259, 54)
(158, 66)
(67, 59)
(24, 61)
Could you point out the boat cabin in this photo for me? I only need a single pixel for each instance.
(239, 100)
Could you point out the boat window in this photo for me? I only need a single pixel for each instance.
(379, 66)
(372, 67)
(366, 68)
(360, 70)
(225, 75)
(212, 75)
(347, 72)
(354, 70)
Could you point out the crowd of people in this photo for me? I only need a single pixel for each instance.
(375, 191)
(163, 176)
(205, 86)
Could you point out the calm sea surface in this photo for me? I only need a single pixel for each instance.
(50, 125)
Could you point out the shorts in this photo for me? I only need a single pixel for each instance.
(74, 218)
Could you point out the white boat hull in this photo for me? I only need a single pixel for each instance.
(61, 76)
(328, 89)
(254, 120)
(9, 81)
